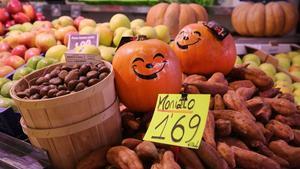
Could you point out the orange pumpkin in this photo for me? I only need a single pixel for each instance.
(201, 52)
(144, 69)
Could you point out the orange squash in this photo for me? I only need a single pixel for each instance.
(200, 52)
(144, 69)
(175, 16)
(258, 19)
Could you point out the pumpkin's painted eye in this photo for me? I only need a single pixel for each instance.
(138, 59)
(158, 55)
(197, 33)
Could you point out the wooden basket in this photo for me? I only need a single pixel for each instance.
(69, 127)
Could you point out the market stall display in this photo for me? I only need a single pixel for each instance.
(91, 103)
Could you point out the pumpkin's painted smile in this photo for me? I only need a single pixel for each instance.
(148, 66)
(186, 38)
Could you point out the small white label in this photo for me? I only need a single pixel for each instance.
(80, 58)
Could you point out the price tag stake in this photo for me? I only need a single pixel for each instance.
(178, 121)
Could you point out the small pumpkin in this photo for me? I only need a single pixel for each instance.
(258, 19)
(201, 52)
(144, 69)
(175, 16)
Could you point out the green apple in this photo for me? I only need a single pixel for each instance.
(284, 86)
(6, 102)
(118, 35)
(21, 72)
(296, 73)
(56, 52)
(88, 49)
(63, 59)
(238, 61)
(105, 35)
(162, 32)
(33, 61)
(26, 27)
(15, 27)
(148, 31)
(87, 30)
(292, 54)
(297, 100)
(64, 21)
(251, 63)
(282, 55)
(5, 89)
(86, 22)
(284, 63)
(119, 20)
(268, 68)
(296, 85)
(251, 57)
(107, 53)
(136, 24)
(3, 80)
(55, 23)
(280, 76)
(296, 60)
(45, 62)
(296, 92)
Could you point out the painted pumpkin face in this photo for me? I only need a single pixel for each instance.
(144, 69)
(201, 52)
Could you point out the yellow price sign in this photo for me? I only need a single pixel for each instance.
(178, 120)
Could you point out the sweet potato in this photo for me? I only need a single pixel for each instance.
(270, 93)
(131, 142)
(280, 130)
(290, 153)
(189, 159)
(264, 150)
(218, 102)
(129, 121)
(167, 162)
(209, 131)
(210, 156)
(123, 158)
(293, 120)
(234, 102)
(218, 78)
(267, 133)
(282, 106)
(223, 127)
(147, 150)
(241, 83)
(296, 140)
(262, 111)
(231, 141)
(257, 76)
(245, 93)
(241, 124)
(287, 96)
(227, 153)
(94, 160)
(191, 89)
(251, 160)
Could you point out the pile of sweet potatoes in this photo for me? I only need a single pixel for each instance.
(250, 125)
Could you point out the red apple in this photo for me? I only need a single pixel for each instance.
(14, 6)
(77, 21)
(4, 15)
(3, 55)
(19, 50)
(4, 47)
(32, 52)
(14, 61)
(27, 38)
(5, 70)
(20, 17)
(29, 11)
(2, 29)
(44, 41)
(9, 23)
(40, 16)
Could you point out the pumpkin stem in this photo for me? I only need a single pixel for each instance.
(141, 37)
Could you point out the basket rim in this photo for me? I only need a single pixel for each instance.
(15, 97)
